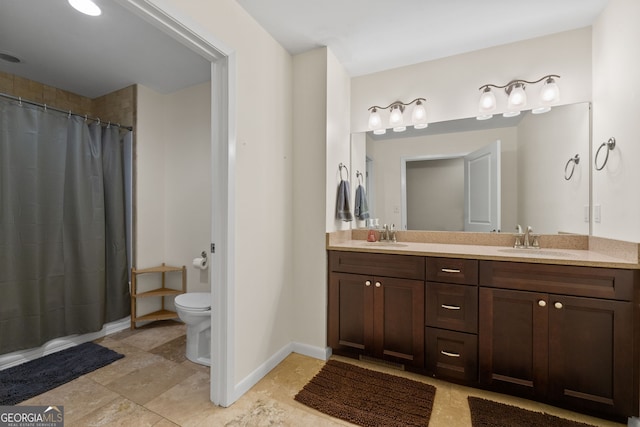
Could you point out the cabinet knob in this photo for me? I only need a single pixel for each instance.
(367, 283)
(558, 305)
(542, 303)
(378, 284)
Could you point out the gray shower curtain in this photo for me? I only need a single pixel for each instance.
(63, 265)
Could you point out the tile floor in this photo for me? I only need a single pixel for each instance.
(155, 385)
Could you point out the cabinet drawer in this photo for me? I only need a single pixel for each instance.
(387, 265)
(452, 355)
(452, 307)
(608, 283)
(452, 270)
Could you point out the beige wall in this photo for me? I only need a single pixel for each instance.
(309, 171)
(616, 103)
(451, 84)
(263, 210)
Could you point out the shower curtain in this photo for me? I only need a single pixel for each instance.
(63, 261)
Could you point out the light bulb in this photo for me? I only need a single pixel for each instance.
(87, 7)
(419, 116)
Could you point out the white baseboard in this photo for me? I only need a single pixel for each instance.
(18, 357)
(254, 377)
(312, 351)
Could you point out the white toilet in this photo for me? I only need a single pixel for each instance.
(194, 309)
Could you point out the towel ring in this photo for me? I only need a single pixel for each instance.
(359, 175)
(340, 166)
(610, 144)
(575, 160)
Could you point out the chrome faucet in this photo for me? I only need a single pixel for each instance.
(392, 233)
(384, 236)
(526, 236)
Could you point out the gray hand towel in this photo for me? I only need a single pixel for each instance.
(343, 209)
(361, 209)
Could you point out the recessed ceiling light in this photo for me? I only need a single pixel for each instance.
(87, 7)
(9, 58)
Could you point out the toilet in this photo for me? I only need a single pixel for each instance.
(194, 309)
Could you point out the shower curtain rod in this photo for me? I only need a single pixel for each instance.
(46, 107)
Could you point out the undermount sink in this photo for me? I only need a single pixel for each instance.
(536, 252)
(386, 244)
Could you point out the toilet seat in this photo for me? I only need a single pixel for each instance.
(196, 301)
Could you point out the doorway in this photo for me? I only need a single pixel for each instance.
(222, 142)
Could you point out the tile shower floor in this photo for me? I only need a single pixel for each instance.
(155, 385)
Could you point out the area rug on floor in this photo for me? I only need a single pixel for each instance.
(45, 373)
(487, 413)
(368, 398)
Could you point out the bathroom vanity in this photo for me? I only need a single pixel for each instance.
(559, 326)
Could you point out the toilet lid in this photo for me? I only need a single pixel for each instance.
(194, 300)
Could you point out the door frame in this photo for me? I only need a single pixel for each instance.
(403, 178)
(223, 142)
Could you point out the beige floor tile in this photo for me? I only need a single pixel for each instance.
(146, 339)
(131, 362)
(79, 398)
(187, 402)
(145, 384)
(119, 413)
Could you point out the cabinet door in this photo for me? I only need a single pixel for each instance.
(590, 354)
(399, 320)
(513, 341)
(350, 322)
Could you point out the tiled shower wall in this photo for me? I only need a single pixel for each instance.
(116, 107)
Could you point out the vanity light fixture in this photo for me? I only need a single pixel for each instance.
(517, 97)
(88, 7)
(396, 116)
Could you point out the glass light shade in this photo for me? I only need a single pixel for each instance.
(87, 7)
(419, 116)
(511, 113)
(396, 121)
(487, 101)
(550, 93)
(375, 122)
(517, 97)
(381, 131)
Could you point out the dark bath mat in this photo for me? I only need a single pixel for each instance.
(368, 398)
(487, 413)
(45, 373)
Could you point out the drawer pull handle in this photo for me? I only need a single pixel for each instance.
(558, 305)
(447, 353)
(450, 270)
(378, 284)
(367, 283)
(542, 303)
(450, 307)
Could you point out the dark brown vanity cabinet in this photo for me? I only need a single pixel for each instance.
(376, 306)
(451, 319)
(560, 334)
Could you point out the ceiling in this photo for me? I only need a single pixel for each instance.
(92, 56)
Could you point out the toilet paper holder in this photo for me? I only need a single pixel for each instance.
(203, 254)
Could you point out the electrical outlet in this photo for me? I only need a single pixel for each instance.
(597, 214)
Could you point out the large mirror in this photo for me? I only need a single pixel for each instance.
(415, 179)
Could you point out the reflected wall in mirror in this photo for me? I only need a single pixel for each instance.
(415, 178)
